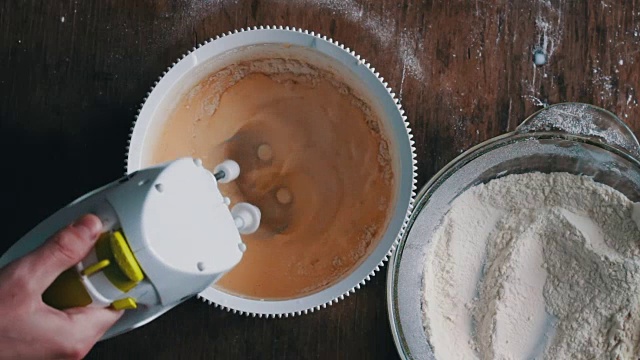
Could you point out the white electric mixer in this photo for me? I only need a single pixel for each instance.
(168, 234)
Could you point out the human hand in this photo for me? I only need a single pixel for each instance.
(31, 329)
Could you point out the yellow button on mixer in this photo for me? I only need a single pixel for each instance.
(94, 268)
(124, 304)
(125, 258)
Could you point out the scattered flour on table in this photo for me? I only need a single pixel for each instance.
(535, 266)
(549, 21)
(382, 28)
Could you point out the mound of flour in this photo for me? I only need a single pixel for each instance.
(535, 266)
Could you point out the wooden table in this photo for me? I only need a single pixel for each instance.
(73, 74)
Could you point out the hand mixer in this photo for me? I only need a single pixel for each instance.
(167, 235)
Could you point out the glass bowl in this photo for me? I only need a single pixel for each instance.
(576, 138)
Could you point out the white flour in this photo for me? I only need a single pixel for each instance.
(535, 266)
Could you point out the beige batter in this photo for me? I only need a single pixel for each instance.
(312, 158)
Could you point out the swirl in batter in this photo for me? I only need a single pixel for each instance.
(313, 158)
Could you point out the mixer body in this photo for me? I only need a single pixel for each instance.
(168, 233)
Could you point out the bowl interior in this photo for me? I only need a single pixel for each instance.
(499, 157)
(319, 52)
(196, 67)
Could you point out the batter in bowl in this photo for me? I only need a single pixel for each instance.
(313, 157)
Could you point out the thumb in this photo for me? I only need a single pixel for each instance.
(62, 251)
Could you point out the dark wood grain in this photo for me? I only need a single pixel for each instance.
(69, 91)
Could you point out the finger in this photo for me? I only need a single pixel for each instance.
(93, 321)
(62, 251)
(73, 332)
